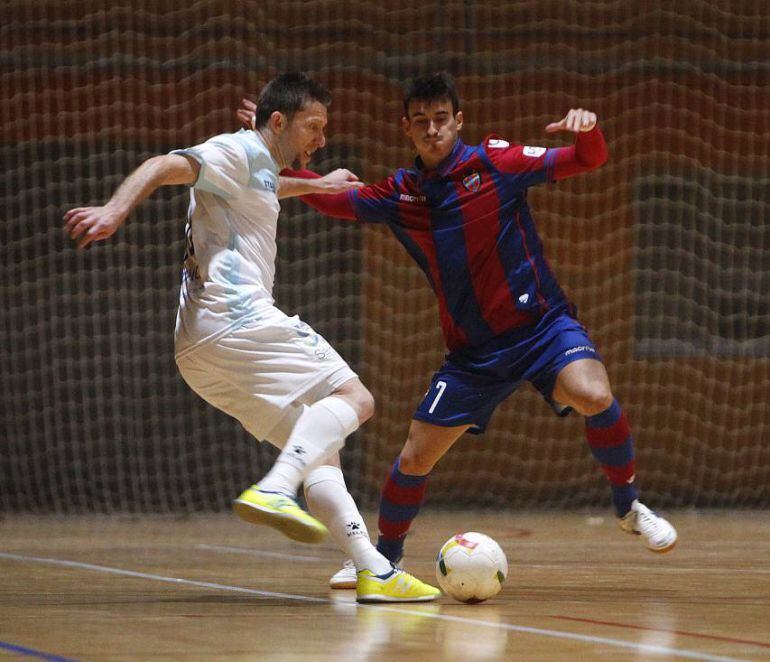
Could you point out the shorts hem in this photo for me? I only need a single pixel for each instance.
(272, 415)
(308, 386)
(476, 428)
(545, 386)
(280, 409)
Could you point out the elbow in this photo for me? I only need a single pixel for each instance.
(602, 153)
(601, 159)
(593, 149)
(604, 156)
(596, 161)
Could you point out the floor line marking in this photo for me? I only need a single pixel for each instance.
(535, 542)
(683, 632)
(559, 634)
(656, 568)
(31, 652)
(161, 578)
(256, 552)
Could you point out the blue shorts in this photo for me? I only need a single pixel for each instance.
(474, 380)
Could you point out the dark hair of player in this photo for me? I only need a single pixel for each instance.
(289, 93)
(432, 87)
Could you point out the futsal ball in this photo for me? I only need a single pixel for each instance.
(471, 567)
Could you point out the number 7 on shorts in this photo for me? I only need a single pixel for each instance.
(441, 386)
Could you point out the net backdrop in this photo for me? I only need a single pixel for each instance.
(666, 249)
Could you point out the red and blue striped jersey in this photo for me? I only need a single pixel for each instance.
(468, 226)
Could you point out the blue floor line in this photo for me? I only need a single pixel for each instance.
(31, 652)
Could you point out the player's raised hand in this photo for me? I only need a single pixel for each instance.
(340, 180)
(88, 224)
(576, 120)
(246, 113)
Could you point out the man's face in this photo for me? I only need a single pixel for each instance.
(433, 129)
(304, 134)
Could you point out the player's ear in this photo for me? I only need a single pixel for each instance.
(405, 125)
(278, 122)
(459, 119)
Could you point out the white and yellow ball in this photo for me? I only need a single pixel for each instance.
(471, 567)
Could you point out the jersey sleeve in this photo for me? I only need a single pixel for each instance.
(588, 153)
(529, 165)
(224, 166)
(374, 203)
(336, 205)
(523, 164)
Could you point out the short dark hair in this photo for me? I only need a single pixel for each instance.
(289, 93)
(431, 87)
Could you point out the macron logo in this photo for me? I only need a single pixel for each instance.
(581, 348)
(411, 198)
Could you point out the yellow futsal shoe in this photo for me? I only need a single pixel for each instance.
(395, 586)
(281, 512)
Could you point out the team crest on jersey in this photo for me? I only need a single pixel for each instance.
(473, 181)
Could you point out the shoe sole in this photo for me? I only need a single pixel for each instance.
(342, 584)
(289, 526)
(661, 550)
(371, 599)
(664, 550)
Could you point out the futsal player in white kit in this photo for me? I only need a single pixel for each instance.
(240, 353)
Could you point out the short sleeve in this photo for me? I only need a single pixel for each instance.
(527, 165)
(224, 166)
(375, 203)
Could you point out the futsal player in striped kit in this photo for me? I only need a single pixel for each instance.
(236, 349)
(461, 213)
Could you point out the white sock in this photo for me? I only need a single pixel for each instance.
(329, 500)
(318, 432)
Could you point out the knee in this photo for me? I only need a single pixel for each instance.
(359, 397)
(594, 399)
(365, 406)
(414, 463)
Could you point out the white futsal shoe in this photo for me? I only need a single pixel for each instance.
(659, 535)
(345, 577)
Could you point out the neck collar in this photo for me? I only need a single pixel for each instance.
(445, 165)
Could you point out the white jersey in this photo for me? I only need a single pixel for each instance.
(230, 262)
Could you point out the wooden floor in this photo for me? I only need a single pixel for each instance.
(213, 587)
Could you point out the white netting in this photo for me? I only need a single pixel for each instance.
(665, 249)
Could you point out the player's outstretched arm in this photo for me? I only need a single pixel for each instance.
(590, 148)
(337, 181)
(88, 224)
(336, 205)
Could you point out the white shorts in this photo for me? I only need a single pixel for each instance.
(256, 372)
